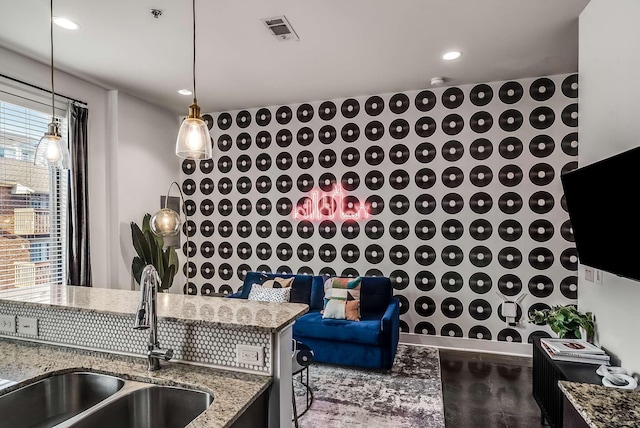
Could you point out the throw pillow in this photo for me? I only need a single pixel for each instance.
(342, 298)
(262, 294)
(278, 282)
(341, 310)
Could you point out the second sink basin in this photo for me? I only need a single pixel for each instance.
(55, 399)
(147, 407)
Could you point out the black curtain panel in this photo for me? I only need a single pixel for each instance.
(79, 256)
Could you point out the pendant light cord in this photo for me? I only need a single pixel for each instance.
(53, 90)
(194, 50)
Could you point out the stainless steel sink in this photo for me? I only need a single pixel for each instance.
(50, 401)
(149, 406)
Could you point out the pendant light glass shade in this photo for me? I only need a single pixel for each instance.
(193, 140)
(52, 151)
(165, 222)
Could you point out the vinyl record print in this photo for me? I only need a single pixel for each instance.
(452, 98)
(566, 231)
(244, 185)
(225, 164)
(263, 117)
(481, 122)
(284, 161)
(425, 229)
(452, 203)
(451, 307)
(207, 228)
(424, 327)
(570, 144)
(224, 143)
(304, 113)
(350, 157)
(542, 117)
(569, 259)
(569, 115)
(541, 146)
(206, 165)
(481, 95)
(569, 287)
(510, 203)
(510, 148)
(284, 206)
(452, 124)
(510, 175)
(452, 282)
(399, 154)
(481, 149)
(425, 306)
(243, 163)
(399, 204)
(510, 92)
(510, 230)
(206, 186)
(244, 229)
(542, 89)
(452, 229)
(207, 270)
(327, 110)
(188, 166)
(425, 255)
(399, 179)
(399, 254)
(350, 229)
(540, 286)
(328, 229)
(399, 229)
(570, 86)
(481, 176)
(480, 283)
(510, 120)
(480, 203)
(541, 174)
(304, 159)
(305, 183)
(350, 108)
(243, 119)
(480, 229)
(263, 206)
(425, 152)
(374, 106)
(375, 204)
(510, 285)
(284, 115)
(350, 132)
(263, 229)
(189, 186)
(541, 258)
(452, 255)
(304, 136)
(225, 229)
(399, 103)
(224, 121)
(350, 181)
(263, 140)
(425, 281)
(479, 332)
(425, 127)
(480, 256)
(374, 229)
(305, 252)
(305, 229)
(541, 230)
(284, 138)
(374, 130)
(374, 254)
(327, 158)
(327, 134)
(510, 258)
(243, 141)
(480, 309)
(425, 101)
(452, 150)
(541, 202)
(399, 129)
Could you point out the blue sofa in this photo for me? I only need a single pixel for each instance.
(369, 343)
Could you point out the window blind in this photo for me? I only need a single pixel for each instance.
(33, 201)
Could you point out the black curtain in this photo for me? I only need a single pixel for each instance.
(79, 257)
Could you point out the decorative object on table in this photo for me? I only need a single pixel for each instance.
(574, 350)
(150, 251)
(566, 321)
(51, 150)
(194, 141)
(167, 222)
(616, 377)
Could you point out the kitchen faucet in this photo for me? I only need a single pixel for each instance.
(146, 317)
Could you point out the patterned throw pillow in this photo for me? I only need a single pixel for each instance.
(262, 294)
(278, 282)
(342, 298)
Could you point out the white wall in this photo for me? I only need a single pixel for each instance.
(609, 92)
(131, 161)
(146, 165)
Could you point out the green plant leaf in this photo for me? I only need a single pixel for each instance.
(140, 244)
(145, 222)
(167, 279)
(137, 266)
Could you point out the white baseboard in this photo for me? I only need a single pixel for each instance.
(464, 344)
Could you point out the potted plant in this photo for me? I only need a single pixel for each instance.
(149, 248)
(566, 321)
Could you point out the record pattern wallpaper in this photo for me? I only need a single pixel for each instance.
(454, 193)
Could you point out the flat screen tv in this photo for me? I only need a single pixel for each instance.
(603, 201)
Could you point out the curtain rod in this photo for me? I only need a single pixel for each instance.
(42, 89)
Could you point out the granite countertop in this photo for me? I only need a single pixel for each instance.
(214, 311)
(604, 407)
(232, 392)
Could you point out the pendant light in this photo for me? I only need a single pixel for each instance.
(52, 151)
(193, 140)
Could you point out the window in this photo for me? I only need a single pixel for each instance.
(33, 201)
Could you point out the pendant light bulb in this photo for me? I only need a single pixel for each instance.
(194, 141)
(52, 151)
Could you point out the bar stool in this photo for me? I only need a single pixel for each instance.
(302, 357)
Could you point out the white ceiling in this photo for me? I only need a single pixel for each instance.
(346, 47)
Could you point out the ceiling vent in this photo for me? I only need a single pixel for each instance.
(280, 28)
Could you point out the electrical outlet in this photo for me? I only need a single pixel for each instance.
(28, 326)
(588, 273)
(7, 323)
(598, 275)
(248, 354)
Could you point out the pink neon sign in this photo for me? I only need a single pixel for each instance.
(320, 205)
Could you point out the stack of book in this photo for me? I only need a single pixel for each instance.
(574, 350)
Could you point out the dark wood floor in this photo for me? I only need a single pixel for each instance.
(487, 391)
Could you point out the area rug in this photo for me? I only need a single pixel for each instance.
(408, 395)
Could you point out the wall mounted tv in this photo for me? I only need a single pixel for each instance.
(603, 200)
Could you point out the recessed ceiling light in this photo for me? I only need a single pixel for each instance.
(450, 56)
(185, 92)
(65, 23)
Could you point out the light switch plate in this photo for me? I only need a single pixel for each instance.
(249, 354)
(28, 326)
(588, 273)
(598, 276)
(7, 323)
